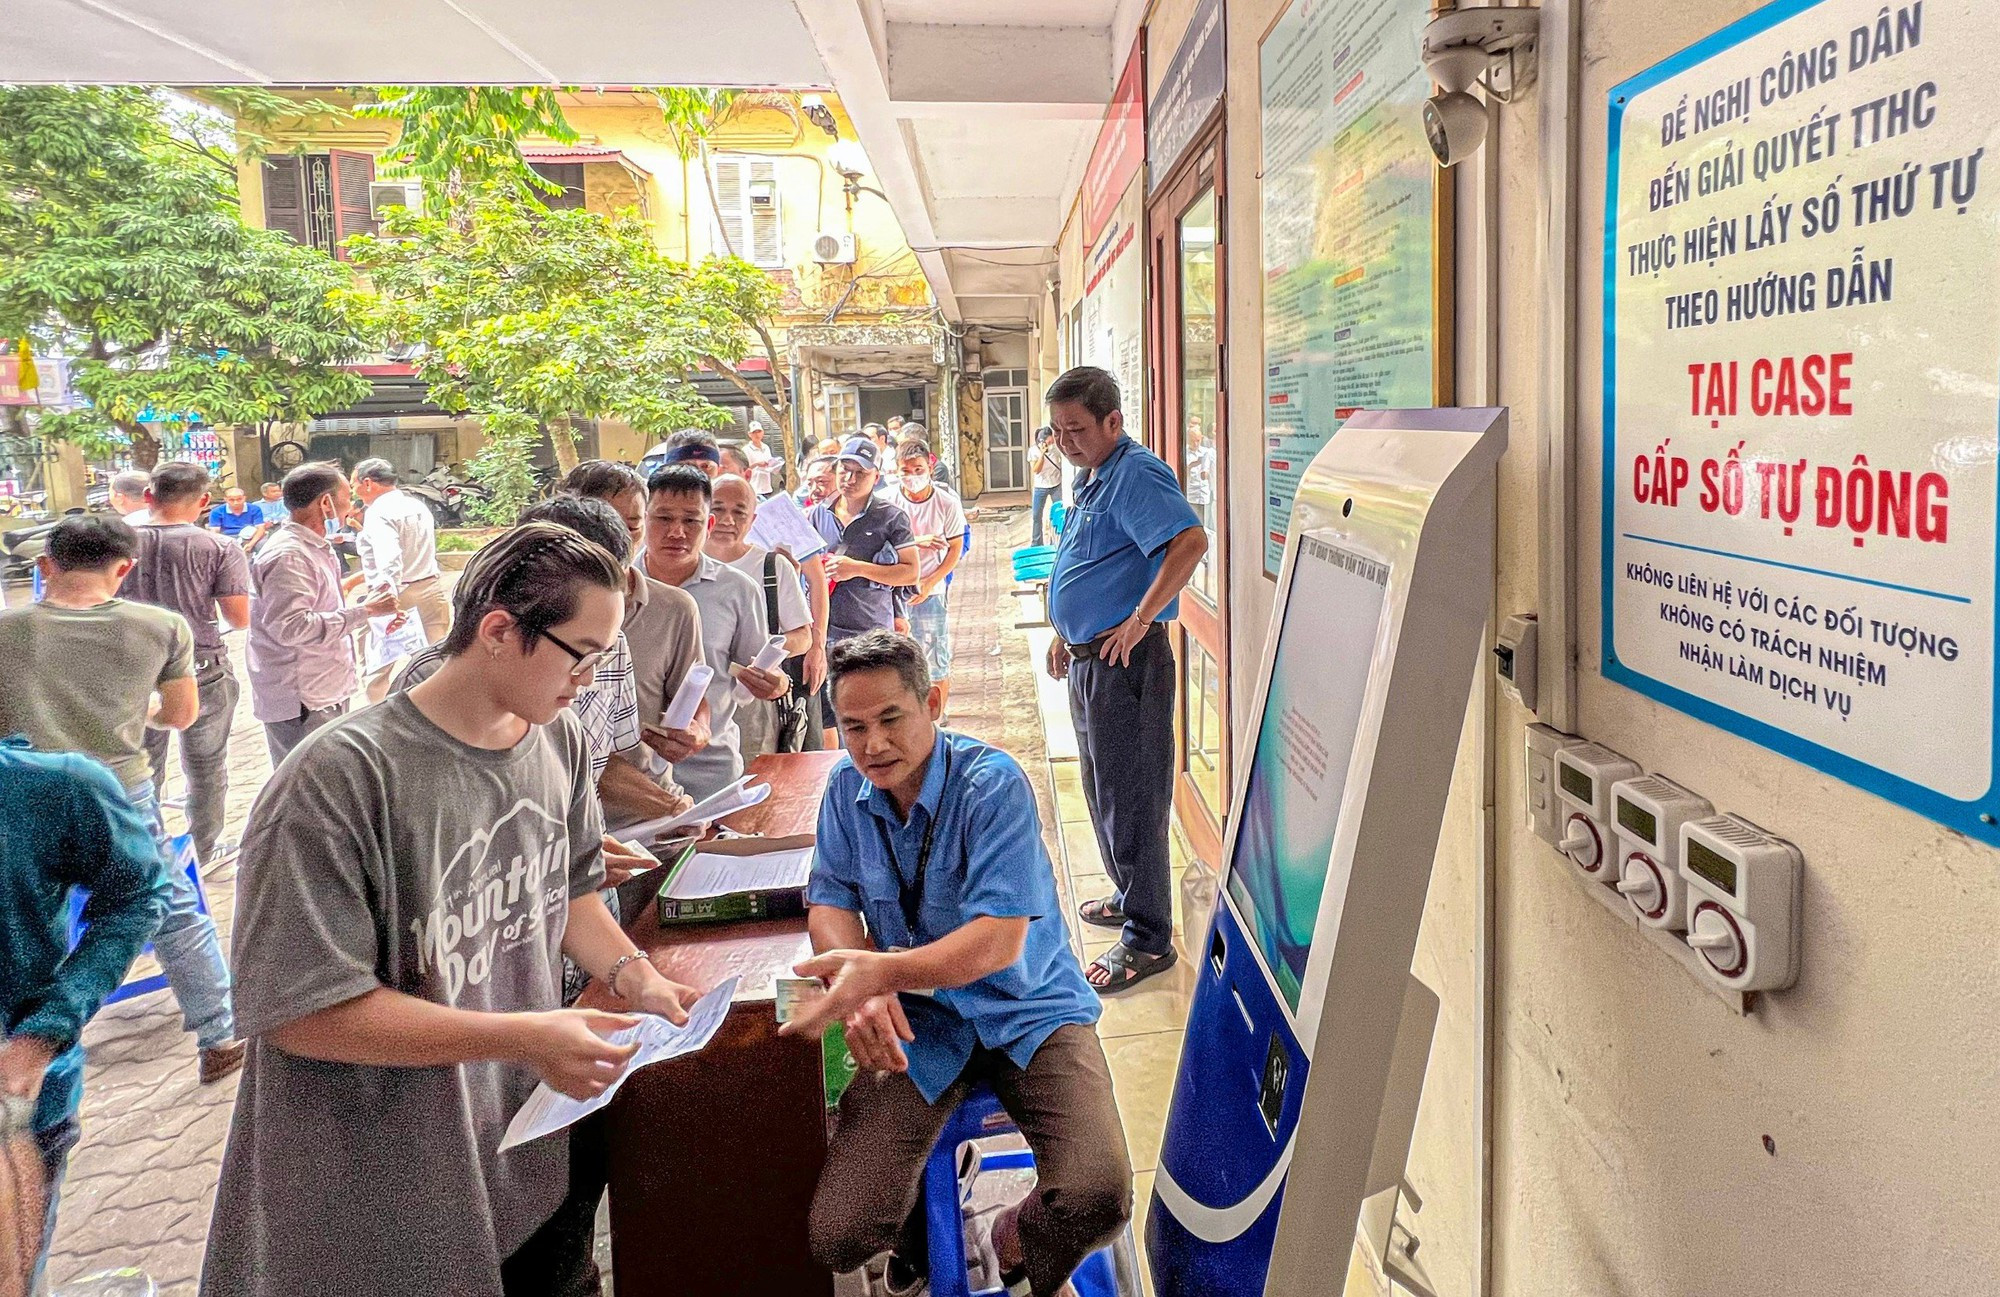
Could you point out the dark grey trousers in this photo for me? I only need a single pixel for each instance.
(282, 736)
(204, 756)
(1124, 718)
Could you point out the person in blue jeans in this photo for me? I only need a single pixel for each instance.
(1046, 463)
(70, 826)
(79, 672)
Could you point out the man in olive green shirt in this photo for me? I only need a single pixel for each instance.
(79, 672)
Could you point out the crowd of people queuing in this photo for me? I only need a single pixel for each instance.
(427, 879)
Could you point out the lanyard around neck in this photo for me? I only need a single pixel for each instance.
(911, 895)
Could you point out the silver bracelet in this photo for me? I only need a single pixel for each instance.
(611, 978)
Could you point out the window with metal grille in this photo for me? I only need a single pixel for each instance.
(746, 200)
(567, 174)
(320, 199)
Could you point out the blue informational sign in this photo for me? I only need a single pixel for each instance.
(1801, 413)
(1189, 90)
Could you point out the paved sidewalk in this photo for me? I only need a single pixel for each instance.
(141, 1184)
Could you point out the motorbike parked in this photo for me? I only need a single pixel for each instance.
(448, 496)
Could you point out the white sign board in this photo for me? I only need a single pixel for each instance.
(1802, 383)
(1114, 319)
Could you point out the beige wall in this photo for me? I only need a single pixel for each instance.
(1630, 1105)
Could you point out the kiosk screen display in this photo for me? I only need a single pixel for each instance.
(1278, 869)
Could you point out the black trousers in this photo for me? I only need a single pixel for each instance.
(1124, 718)
(560, 1258)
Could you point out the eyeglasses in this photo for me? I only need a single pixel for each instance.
(585, 662)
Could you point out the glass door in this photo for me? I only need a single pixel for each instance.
(1006, 439)
(1189, 419)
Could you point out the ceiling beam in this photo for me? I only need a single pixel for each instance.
(840, 29)
(940, 62)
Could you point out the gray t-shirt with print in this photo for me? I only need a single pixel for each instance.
(386, 853)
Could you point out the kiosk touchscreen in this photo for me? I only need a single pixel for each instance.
(1382, 599)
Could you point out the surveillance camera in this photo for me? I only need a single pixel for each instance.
(1455, 125)
(1493, 48)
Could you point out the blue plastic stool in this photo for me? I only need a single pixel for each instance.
(978, 1117)
(184, 860)
(1058, 513)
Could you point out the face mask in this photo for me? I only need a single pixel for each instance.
(916, 481)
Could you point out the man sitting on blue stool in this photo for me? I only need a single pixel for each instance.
(938, 932)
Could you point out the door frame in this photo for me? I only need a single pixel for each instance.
(1202, 167)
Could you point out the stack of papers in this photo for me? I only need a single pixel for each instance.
(727, 801)
(548, 1111)
(716, 875)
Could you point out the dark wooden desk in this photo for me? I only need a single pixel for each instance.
(714, 1157)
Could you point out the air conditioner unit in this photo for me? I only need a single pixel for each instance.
(763, 194)
(386, 194)
(834, 249)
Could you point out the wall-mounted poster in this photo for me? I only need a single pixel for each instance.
(1357, 234)
(1114, 319)
(1802, 338)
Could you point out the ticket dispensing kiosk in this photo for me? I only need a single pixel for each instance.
(1382, 600)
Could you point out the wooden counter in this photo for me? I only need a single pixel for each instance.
(714, 1157)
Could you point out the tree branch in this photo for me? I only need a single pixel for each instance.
(746, 387)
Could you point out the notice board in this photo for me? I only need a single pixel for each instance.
(1357, 233)
(1801, 391)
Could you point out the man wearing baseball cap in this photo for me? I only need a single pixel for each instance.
(870, 547)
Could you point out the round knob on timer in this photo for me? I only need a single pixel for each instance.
(1641, 885)
(1580, 843)
(1718, 940)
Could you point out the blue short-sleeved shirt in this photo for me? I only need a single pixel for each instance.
(874, 536)
(235, 524)
(272, 511)
(987, 860)
(65, 822)
(1114, 541)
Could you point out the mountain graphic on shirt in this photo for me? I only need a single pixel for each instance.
(500, 890)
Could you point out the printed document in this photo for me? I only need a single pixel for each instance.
(726, 801)
(781, 524)
(548, 1111)
(717, 875)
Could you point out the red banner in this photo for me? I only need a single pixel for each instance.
(1121, 145)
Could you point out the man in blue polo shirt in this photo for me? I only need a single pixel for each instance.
(1128, 548)
(940, 938)
(234, 516)
(871, 550)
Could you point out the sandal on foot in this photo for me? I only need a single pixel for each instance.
(1101, 913)
(1129, 967)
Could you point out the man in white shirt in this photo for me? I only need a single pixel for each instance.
(761, 461)
(128, 497)
(938, 521)
(787, 612)
(398, 548)
(732, 618)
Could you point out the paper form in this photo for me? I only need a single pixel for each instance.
(781, 524)
(548, 1111)
(717, 875)
(727, 801)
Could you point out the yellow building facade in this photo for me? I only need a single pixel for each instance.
(781, 183)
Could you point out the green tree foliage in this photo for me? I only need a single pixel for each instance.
(464, 142)
(121, 246)
(533, 318)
